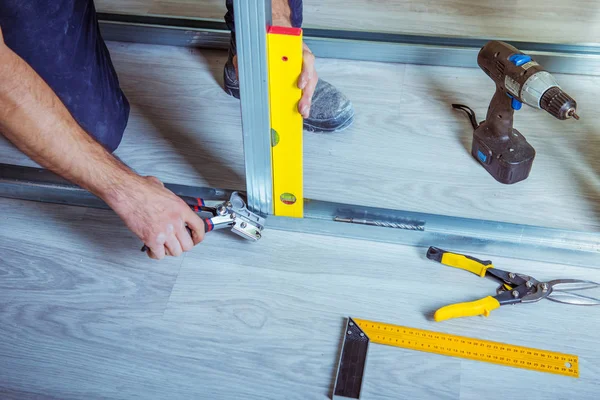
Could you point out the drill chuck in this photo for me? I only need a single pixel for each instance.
(559, 104)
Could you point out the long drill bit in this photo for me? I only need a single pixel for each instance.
(395, 224)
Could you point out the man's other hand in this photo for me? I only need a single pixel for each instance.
(158, 217)
(307, 82)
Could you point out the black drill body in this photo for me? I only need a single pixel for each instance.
(502, 150)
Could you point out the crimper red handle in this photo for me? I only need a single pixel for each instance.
(197, 204)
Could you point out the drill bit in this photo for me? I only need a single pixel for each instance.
(573, 113)
(396, 224)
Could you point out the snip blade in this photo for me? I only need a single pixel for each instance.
(569, 291)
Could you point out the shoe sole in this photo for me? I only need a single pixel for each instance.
(320, 129)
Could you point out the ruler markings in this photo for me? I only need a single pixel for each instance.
(470, 348)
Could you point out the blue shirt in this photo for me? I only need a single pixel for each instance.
(61, 41)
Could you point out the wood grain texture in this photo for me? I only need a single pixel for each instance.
(85, 257)
(183, 128)
(551, 21)
(251, 321)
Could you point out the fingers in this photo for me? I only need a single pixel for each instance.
(195, 223)
(306, 101)
(174, 242)
(307, 82)
(173, 246)
(157, 252)
(185, 240)
(308, 68)
(172, 232)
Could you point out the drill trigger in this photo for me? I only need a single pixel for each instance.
(515, 103)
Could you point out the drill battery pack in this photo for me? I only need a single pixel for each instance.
(507, 159)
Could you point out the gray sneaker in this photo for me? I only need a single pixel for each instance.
(331, 111)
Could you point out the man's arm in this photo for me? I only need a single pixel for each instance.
(36, 121)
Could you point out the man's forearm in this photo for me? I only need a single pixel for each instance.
(282, 14)
(36, 121)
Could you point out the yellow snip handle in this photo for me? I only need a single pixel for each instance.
(471, 264)
(471, 309)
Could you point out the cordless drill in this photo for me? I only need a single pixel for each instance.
(500, 148)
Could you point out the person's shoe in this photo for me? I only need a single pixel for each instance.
(331, 111)
(230, 79)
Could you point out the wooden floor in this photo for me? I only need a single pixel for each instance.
(85, 315)
(551, 21)
(407, 150)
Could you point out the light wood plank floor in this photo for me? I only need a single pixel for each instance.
(407, 150)
(84, 315)
(551, 21)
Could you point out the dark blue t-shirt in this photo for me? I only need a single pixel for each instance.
(61, 41)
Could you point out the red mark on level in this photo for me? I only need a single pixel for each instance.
(285, 30)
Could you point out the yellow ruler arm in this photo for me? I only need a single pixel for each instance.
(285, 66)
(470, 348)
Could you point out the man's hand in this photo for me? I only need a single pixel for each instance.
(307, 82)
(282, 16)
(157, 216)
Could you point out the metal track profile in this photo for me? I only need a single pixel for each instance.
(356, 45)
(35, 184)
(493, 238)
(170, 31)
(252, 19)
(371, 223)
